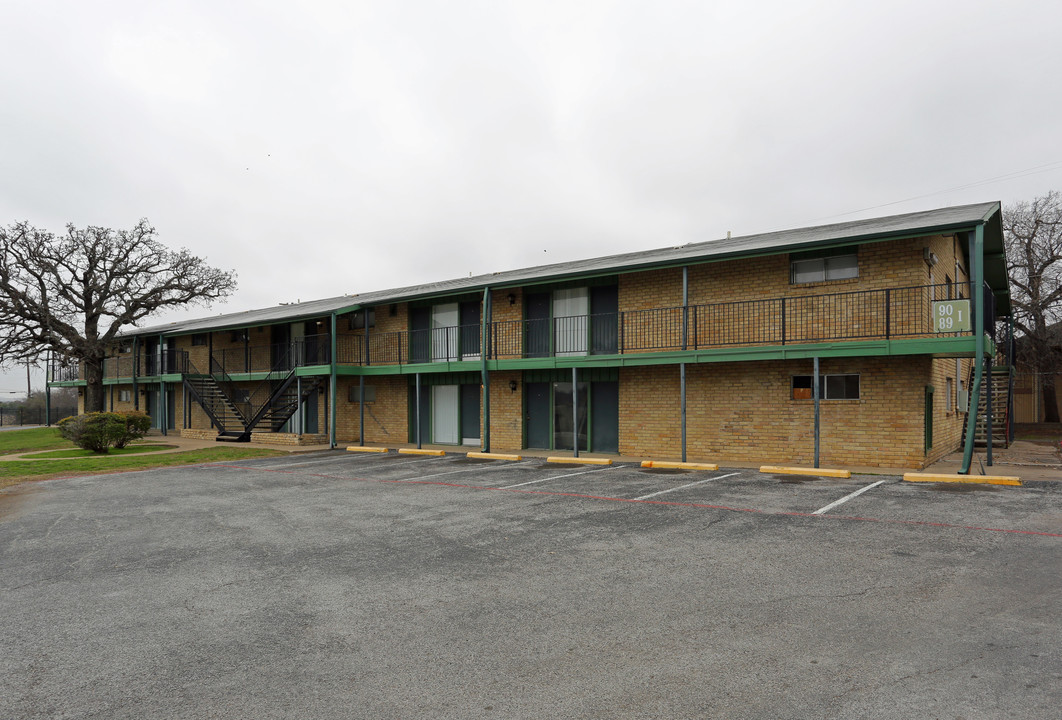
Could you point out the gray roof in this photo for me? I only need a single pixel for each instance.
(907, 225)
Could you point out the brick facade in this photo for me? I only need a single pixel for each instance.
(737, 410)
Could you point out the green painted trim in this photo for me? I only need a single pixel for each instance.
(332, 383)
(963, 346)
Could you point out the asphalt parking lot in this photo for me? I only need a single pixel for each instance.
(337, 585)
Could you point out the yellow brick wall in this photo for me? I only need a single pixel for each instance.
(386, 419)
(947, 420)
(743, 412)
(506, 412)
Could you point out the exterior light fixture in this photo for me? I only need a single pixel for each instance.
(512, 386)
(512, 299)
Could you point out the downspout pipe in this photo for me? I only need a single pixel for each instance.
(332, 385)
(486, 323)
(977, 251)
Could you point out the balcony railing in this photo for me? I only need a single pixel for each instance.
(857, 315)
(837, 317)
(309, 350)
(64, 373)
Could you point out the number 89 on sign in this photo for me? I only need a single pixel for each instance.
(951, 316)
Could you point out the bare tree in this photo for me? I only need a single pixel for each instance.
(1033, 232)
(71, 294)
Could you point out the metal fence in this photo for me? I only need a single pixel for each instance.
(11, 417)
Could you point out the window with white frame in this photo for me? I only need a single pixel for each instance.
(125, 396)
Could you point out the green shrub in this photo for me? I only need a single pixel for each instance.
(100, 431)
(137, 425)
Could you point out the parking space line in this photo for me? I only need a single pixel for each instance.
(846, 498)
(314, 462)
(551, 477)
(687, 485)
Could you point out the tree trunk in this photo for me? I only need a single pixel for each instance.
(1050, 402)
(94, 397)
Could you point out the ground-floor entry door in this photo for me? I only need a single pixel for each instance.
(551, 423)
(445, 414)
(537, 415)
(449, 414)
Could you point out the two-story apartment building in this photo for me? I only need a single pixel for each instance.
(854, 343)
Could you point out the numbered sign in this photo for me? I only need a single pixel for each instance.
(951, 316)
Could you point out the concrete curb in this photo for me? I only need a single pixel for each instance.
(821, 472)
(493, 456)
(579, 461)
(414, 451)
(948, 478)
(366, 449)
(670, 465)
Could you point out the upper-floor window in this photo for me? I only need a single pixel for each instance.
(199, 339)
(357, 319)
(820, 266)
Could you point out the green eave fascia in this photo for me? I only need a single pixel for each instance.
(67, 383)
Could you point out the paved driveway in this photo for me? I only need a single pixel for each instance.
(336, 585)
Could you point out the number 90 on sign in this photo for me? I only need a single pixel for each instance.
(951, 316)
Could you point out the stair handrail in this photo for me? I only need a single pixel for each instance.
(210, 408)
(255, 411)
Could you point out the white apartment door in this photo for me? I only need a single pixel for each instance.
(445, 401)
(570, 307)
(444, 332)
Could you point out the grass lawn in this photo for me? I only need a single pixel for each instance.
(78, 452)
(69, 461)
(20, 441)
(15, 471)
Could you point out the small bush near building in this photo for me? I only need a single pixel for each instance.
(101, 431)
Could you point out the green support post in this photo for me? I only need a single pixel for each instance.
(977, 261)
(485, 324)
(332, 384)
(163, 411)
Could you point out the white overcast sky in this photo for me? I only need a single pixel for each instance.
(333, 147)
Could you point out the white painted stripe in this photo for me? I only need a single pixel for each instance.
(846, 498)
(682, 487)
(552, 477)
(425, 477)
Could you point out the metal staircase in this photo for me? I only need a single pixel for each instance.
(236, 412)
(1001, 381)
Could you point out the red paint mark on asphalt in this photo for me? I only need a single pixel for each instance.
(672, 503)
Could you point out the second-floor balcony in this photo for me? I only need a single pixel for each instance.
(887, 314)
